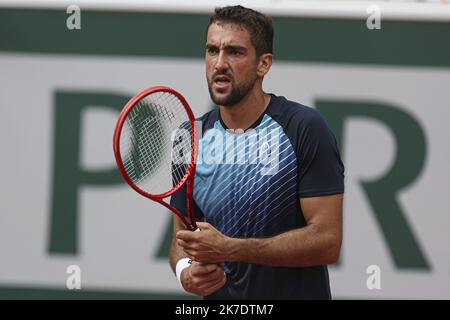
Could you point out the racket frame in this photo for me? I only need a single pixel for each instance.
(188, 178)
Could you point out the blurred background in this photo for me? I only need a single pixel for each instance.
(71, 228)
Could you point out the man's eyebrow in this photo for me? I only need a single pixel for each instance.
(210, 46)
(227, 47)
(235, 47)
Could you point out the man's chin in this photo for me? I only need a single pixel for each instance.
(221, 99)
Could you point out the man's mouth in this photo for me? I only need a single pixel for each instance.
(221, 81)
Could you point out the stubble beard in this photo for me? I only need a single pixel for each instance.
(235, 96)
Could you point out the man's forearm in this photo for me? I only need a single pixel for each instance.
(176, 253)
(296, 248)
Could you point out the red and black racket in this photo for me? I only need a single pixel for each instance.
(155, 145)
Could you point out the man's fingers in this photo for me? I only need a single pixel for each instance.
(205, 279)
(185, 235)
(187, 245)
(202, 268)
(214, 285)
(210, 267)
(203, 225)
(182, 243)
(211, 282)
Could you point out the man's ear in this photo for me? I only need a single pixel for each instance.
(265, 62)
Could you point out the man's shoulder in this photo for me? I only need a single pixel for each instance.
(208, 119)
(290, 113)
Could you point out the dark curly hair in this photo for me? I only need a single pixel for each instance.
(257, 24)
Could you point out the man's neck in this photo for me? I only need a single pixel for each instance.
(243, 114)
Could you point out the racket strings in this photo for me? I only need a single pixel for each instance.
(156, 142)
(152, 156)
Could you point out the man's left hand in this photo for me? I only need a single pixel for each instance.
(207, 246)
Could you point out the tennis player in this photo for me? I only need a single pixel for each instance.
(269, 181)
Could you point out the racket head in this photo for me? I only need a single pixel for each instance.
(148, 124)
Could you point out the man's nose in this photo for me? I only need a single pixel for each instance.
(221, 62)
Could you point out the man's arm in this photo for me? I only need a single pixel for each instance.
(198, 278)
(317, 243)
(176, 253)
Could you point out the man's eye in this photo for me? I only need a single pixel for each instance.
(235, 53)
(212, 50)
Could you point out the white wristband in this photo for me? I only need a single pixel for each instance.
(181, 265)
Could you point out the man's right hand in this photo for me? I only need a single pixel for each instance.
(203, 279)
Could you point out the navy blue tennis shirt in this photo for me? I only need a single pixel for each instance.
(248, 185)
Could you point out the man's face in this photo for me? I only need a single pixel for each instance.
(230, 63)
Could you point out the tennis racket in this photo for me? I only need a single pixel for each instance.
(155, 146)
